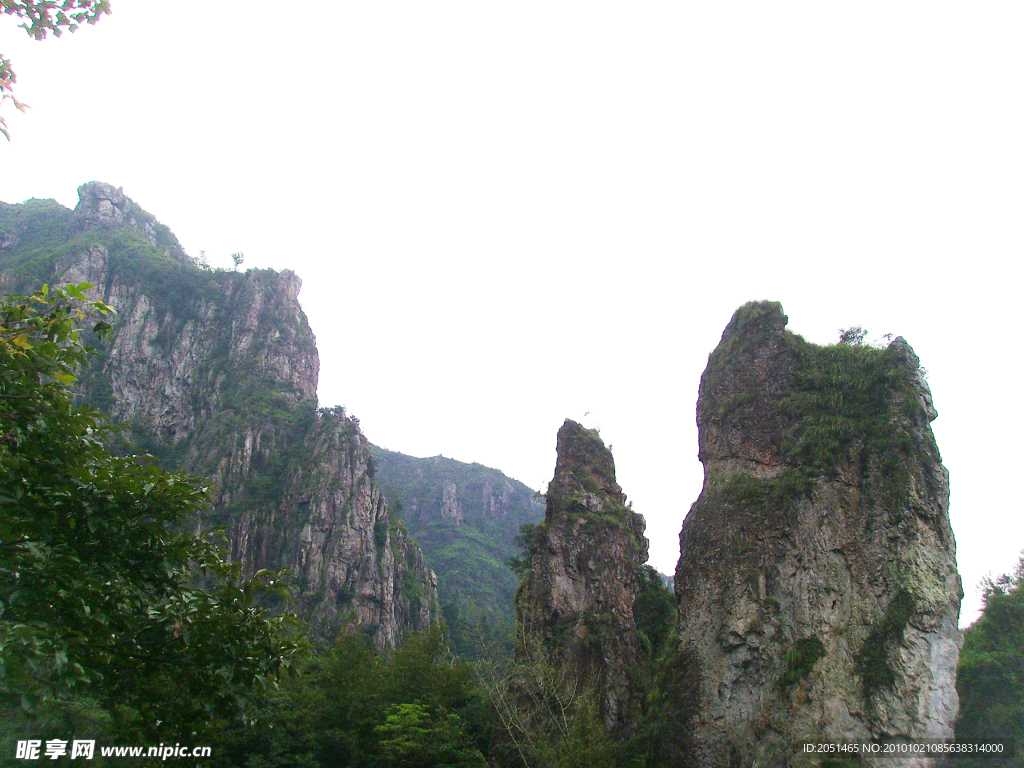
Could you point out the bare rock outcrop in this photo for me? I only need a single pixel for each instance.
(576, 600)
(817, 585)
(104, 206)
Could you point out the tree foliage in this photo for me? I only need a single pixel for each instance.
(40, 18)
(100, 577)
(352, 707)
(654, 610)
(550, 717)
(990, 676)
(475, 584)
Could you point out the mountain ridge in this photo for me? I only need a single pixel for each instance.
(216, 374)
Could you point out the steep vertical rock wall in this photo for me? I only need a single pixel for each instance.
(817, 585)
(216, 372)
(577, 597)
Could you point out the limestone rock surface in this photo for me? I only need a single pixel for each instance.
(817, 585)
(577, 597)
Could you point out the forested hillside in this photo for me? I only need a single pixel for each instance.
(465, 518)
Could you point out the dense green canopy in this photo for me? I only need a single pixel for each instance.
(99, 572)
(990, 677)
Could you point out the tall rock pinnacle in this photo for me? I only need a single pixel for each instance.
(817, 584)
(577, 599)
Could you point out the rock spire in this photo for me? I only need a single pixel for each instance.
(817, 586)
(576, 600)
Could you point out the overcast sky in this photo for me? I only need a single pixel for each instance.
(506, 214)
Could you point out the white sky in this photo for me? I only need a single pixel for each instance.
(505, 214)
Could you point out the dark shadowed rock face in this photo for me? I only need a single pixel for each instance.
(216, 373)
(577, 597)
(817, 584)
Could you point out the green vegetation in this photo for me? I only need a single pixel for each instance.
(414, 708)
(672, 699)
(873, 661)
(854, 402)
(844, 403)
(528, 541)
(549, 717)
(39, 18)
(990, 677)
(174, 286)
(476, 584)
(584, 449)
(800, 660)
(749, 321)
(756, 510)
(654, 611)
(41, 231)
(766, 497)
(101, 616)
(230, 384)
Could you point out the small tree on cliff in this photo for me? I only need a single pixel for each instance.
(98, 575)
(854, 335)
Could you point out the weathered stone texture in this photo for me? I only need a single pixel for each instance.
(577, 598)
(817, 584)
(216, 372)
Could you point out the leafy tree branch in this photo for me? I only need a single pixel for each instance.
(40, 18)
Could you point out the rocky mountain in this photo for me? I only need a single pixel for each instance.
(465, 518)
(817, 586)
(585, 575)
(816, 593)
(216, 373)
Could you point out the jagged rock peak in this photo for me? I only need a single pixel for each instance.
(764, 318)
(817, 586)
(575, 604)
(106, 206)
(102, 205)
(583, 464)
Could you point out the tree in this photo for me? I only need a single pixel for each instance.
(100, 577)
(414, 737)
(854, 335)
(550, 717)
(40, 18)
(353, 708)
(990, 675)
(238, 258)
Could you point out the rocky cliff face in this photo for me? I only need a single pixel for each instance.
(216, 372)
(585, 575)
(817, 585)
